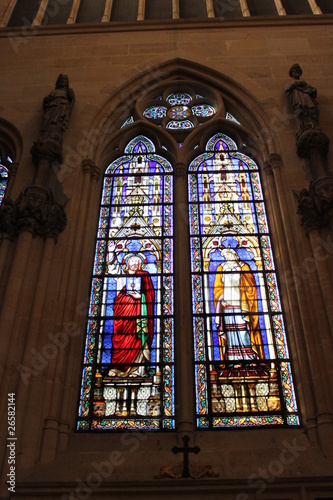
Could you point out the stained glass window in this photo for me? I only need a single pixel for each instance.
(203, 110)
(181, 125)
(3, 181)
(128, 374)
(178, 99)
(155, 112)
(230, 117)
(128, 122)
(242, 366)
(177, 111)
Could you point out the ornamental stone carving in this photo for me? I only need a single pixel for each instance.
(88, 166)
(302, 101)
(35, 211)
(57, 107)
(8, 219)
(180, 170)
(315, 205)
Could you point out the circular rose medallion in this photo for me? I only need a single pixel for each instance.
(179, 112)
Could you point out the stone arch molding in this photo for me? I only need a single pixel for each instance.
(104, 134)
(10, 140)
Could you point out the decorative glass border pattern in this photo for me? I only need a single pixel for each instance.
(242, 367)
(128, 368)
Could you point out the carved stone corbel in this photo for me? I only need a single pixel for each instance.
(35, 211)
(315, 205)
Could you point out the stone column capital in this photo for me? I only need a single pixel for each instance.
(312, 140)
(89, 167)
(315, 205)
(34, 211)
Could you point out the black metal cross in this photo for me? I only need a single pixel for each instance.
(186, 450)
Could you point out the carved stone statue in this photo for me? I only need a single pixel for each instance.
(302, 101)
(57, 107)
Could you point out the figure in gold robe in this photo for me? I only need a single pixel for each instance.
(235, 300)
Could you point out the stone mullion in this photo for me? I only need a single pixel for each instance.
(309, 320)
(8, 13)
(74, 364)
(26, 412)
(184, 387)
(56, 370)
(280, 238)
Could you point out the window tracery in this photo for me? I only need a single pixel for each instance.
(243, 374)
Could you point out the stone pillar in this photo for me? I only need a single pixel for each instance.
(30, 377)
(60, 378)
(183, 307)
(81, 309)
(37, 216)
(315, 209)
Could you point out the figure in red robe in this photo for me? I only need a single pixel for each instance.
(133, 321)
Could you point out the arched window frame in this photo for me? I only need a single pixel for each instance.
(189, 151)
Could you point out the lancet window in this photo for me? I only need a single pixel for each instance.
(128, 374)
(242, 366)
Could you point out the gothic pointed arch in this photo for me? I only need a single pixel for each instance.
(180, 117)
(125, 105)
(128, 374)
